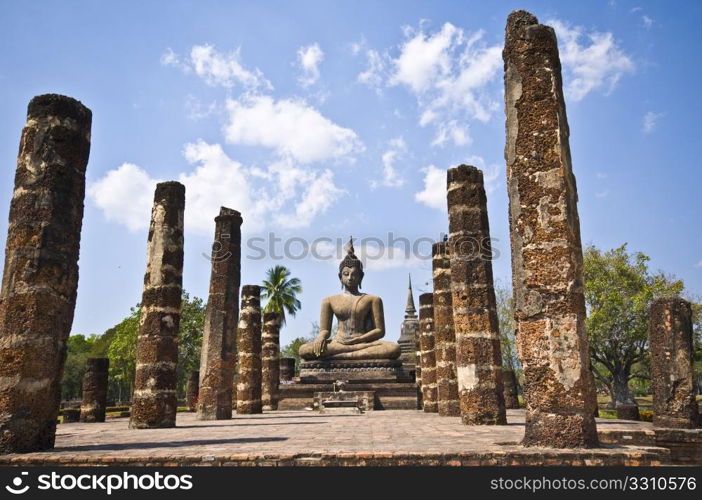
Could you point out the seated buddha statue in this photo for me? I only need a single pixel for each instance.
(360, 318)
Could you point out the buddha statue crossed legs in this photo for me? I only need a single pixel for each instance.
(360, 318)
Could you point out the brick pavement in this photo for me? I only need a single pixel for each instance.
(390, 437)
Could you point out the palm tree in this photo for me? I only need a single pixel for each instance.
(281, 291)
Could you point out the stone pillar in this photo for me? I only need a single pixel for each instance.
(192, 390)
(547, 260)
(475, 324)
(287, 369)
(154, 402)
(445, 347)
(427, 354)
(270, 364)
(40, 277)
(221, 317)
(92, 408)
(674, 403)
(248, 343)
(511, 394)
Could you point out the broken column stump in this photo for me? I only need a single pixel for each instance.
(270, 364)
(509, 383)
(672, 374)
(287, 369)
(154, 402)
(475, 324)
(221, 317)
(192, 389)
(547, 259)
(248, 343)
(92, 408)
(40, 277)
(427, 355)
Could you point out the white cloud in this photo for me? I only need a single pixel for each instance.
(283, 193)
(289, 126)
(197, 110)
(650, 120)
(450, 73)
(217, 68)
(374, 74)
(391, 178)
(216, 181)
(434, 193)
(125, 195)
(454, 131)
(318, 197)
(308, 59)
(423, 59)
(647, 21)
(590, 60)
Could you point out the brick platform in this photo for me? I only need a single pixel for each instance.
(307, 438)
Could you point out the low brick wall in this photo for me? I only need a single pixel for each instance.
(526, 457)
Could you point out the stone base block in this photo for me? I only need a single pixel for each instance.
(387, 395)
(365, 400)
(352, 371)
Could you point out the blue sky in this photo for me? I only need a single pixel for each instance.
(330, 119)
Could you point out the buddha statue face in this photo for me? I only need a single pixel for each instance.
(351, 277)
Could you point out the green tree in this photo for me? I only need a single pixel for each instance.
(619, 289)
(78, 350)
(122, 347)
(281, 292)
(192, 323)
(122, 354)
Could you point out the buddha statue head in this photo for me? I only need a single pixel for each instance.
(351, 270)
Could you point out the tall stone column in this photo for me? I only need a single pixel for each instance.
(287, 369)
(509, 382)
(192, 390)
(270, 360)
(248, 343)
(445, 347)
(478, 355)
(92, 408)
(674, 403)
(427, 355)
(154, 402)
(221, 317)
(40, 277)
(547, 259)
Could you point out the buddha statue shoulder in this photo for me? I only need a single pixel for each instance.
(360, 317)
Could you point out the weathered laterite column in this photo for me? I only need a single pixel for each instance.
(509, 382)
(674, 403)
(248, 343)
(92, 408)
(547, 260)
(270, 364)
(154, 402)
(427, 355)
(475, 324)
(221, 317)
(445, 340)
(287, 369)
(40, 277)
(192, 389)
